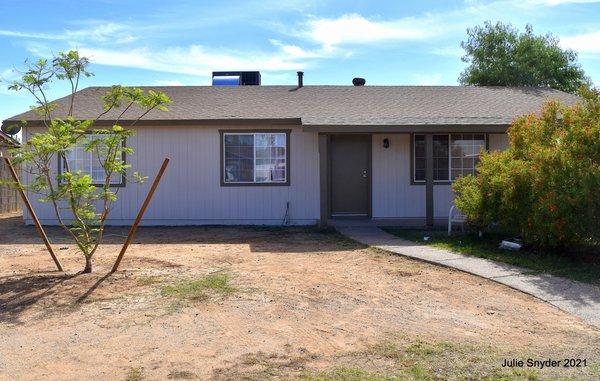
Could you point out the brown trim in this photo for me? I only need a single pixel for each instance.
(251, 131)
(123, 182)
(329, 211)
(323, 180)
(187, 122)
(429, 180)
(370, 182)
(425, 128)
(412, 156)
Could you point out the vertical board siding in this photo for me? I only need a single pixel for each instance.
(9, 196)
(190, 191)
(393, 194)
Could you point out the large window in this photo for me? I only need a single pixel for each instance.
(89, 162)
(255, 158)
(454, 155)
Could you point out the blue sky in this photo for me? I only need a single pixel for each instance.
(180, 42)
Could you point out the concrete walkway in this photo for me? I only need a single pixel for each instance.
(577, 298)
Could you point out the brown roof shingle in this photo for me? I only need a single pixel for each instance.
(332, 105)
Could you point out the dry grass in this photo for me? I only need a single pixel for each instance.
(264, 303)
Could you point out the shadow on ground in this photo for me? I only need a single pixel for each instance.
(276, 239)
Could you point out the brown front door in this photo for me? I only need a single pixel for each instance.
(350, 162)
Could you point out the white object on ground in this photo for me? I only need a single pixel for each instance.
(514, 244)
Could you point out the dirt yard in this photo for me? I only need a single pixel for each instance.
(251, 303)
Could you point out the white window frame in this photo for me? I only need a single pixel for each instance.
(120, 183)
(254, 182)
(449, 181)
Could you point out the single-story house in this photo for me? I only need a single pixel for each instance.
(8, 196)
(304, 154)
(6, 143)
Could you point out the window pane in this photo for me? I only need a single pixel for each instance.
(239, 158)
(440, 146)
(420, 146)
(270, 157)
(464, 153)
(440, 175)
(88, 162)
(98, 173)
(419, 175)
(440, 157)
(255, 157)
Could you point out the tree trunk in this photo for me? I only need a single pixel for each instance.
(88, 265)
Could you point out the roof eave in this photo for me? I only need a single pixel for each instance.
(9, 140)
(182, 122)
(414, 128)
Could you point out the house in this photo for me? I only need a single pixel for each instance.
(305, 154)
(9, 201)
(6, 142)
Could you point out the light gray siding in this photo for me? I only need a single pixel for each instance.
(190, 191)
(393, 195)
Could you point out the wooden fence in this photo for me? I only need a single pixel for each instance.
(9, 196)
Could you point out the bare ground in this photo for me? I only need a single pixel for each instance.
(308, 304)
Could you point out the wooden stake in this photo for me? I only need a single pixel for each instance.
(33, 215)
(140, 214)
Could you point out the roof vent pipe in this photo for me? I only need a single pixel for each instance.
(300, 78)
(358, 81)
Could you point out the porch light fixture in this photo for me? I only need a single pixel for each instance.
(386, 143)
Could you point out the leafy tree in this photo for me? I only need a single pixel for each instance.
(88, 204)
(499, 55)
(545, 185)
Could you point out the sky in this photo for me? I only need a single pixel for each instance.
(181, 42)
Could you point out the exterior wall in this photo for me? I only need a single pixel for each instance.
(393, 195)
(190, 192)
(9, 196)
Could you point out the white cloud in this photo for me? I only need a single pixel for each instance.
(168, 82)
(96, 31)
(7, 76)
(101, 32)
(553, 3)
(297, 52)
(356, 29)
(448, 51)
(37, 36)
(191, 60)
(427, 79)
(583, 43)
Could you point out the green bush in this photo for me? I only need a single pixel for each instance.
(546, 185)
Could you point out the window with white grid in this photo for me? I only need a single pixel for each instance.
(90, 162)
(255, 157)
(454, 155)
